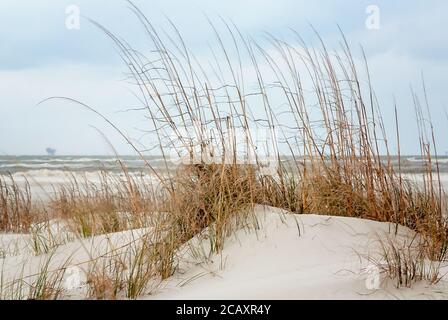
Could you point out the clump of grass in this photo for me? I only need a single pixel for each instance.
(112, 205)
(139, 273)
(406, 262)
(47, 285)
(16, 208)
(129, 273)
(215, 196)
(11, 290)
(105, 281)
(284, 192)
(43, 239)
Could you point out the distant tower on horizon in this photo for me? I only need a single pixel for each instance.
(50, 151)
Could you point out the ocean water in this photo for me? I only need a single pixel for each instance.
(60, 165)
(44, 173)
(55, 165)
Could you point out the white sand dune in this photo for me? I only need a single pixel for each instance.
(323, 262)
(288, 257)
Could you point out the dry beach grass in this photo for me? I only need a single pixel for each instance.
(341, 163)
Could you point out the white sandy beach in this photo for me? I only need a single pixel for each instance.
(288, 257)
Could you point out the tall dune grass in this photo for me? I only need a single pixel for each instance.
(318, 114)
(112, 205)
(336, 137)
(17, 211)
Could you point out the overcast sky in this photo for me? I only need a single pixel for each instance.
(40, 57)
